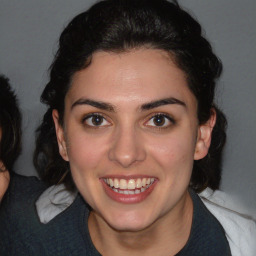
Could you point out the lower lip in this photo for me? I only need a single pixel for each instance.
(128, 199)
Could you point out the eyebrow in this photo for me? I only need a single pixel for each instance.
(162, 102)
(109, 107)
(96, 104)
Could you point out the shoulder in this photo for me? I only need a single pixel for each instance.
(240, 229)
(207, 236)
(17, 212)
(23, 189)
(20, 196)
(22, 232)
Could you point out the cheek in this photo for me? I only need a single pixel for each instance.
(85, 157)
(85, 152)
(176, 151)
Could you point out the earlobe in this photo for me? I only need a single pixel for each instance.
(204, 137)
(60, 135)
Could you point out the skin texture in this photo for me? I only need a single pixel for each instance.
(4, 181)
(4, 176)
(128, 143)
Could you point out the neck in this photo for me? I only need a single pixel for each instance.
(166, 236)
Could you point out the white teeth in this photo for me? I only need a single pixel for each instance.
(116, 183)
(123, 184)
(131, 184)
(138, 183)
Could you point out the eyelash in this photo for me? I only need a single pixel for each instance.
(166, 117)
(87, 117)
(161, 115)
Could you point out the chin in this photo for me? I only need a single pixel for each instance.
(129, 222)
(128, 227)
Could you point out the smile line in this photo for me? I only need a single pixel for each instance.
(129, 187)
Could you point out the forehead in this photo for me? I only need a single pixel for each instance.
(137, 76)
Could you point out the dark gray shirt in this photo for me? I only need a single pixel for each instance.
(21, 232)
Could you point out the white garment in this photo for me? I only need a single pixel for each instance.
(53, 201)
(240, 229)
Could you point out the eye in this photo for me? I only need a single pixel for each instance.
(95, 120)
(160, 120)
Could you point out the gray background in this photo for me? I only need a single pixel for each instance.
(29, 30)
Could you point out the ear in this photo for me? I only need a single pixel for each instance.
(204, 136)
(2, 166)
(60, 135)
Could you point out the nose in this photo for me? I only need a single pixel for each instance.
(127, 148)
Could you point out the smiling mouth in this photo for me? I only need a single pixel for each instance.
(129, 186)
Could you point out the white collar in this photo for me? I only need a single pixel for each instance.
(53, 201)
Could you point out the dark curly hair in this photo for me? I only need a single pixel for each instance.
(10, 125)
(118, 26)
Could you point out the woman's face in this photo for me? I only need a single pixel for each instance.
(131, 135)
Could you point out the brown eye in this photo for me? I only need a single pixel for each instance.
(96, 120)
(160, 120)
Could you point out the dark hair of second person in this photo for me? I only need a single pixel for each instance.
(10, 125)
(119, 26)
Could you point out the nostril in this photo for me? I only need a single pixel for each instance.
(126, 149)
(123, 159)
